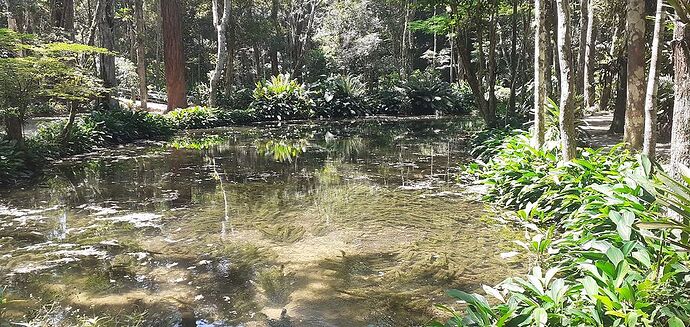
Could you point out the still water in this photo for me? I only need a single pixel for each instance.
(320, 224)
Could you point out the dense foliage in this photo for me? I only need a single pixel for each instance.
(603, 254)
(281, 98)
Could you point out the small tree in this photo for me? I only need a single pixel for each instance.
(46, 70)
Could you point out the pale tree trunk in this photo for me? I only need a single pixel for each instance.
(220, 23)
(141, 53)
(567, 108)
(650, 119)
(680, 135)
(634, 113)
(584, 27)
(540, 39)
(492, 60)
(106, 24)
(173, 54)
(590, 58)
(548, 47)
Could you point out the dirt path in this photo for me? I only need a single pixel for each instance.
(597, 126)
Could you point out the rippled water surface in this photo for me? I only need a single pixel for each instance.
(320, 224)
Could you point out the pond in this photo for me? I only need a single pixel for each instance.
(351, 223)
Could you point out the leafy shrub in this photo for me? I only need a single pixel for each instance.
(194, 118)
(204, 117)
(341, 96)
(12, 163)
(605, 260)
(423, 93)
(391, 96)
(428, 93)
(281, 98)
(520, 176)
(48, 142)
(124, 126)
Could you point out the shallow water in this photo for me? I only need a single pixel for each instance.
(321, 224)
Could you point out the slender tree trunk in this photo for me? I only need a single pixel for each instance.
(473, 82)
(612, 66)
(492, 60)
(618, 122)
(634, 113)
(548, 47)
(650, 118)
(106, 24)
(589, 58)
(141, 53)
(220, 23)
(62, 15)
(230, 66)
(584, 28)
(173, 54)
(540, 39)
(567, 108)
(680, 135)
(554, 39)
(514, 60)
(275, 70)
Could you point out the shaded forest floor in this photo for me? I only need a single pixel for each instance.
(597, 127)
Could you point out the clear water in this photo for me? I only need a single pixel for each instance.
(321, 224)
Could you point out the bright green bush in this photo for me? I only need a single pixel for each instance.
(204, 117)
(194, 118)
(341, 96)
(281, 98)
(124, 126)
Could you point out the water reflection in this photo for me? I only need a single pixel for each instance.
(348, 223)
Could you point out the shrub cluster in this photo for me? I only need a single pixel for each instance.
(342, 96)
(100, 128)
(203, 117)
(281, 98)
(603, 251)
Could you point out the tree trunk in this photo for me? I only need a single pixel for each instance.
(141, 54)
(173, 54)
(220, 23)
(680, 135)
(14, 130)
(618, 122)
(634, 113)
(230, 65)
(567, 108)
(548, 59)
(540, 39)
(650, 119)
(584, 28)
(473, 82)
(589, 58)
(275, 70)
(106, 25)
(492, 60)
(513, 59)
(62, 14)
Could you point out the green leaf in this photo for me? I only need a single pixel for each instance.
(675, 322)
(615, 255)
